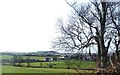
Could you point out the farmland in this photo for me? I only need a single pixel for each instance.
(6, 57)
(11, 69)
(43, 67)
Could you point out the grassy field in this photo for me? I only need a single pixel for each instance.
(59, 67)
(6, 56)
(12, 69)
(59, 64)
(56, 64)
(24, 57)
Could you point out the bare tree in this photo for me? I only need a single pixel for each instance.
(91, 25)
(115, 14)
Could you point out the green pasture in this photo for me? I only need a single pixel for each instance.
(59, 64)
(12, 69)
(24, 57)
(6, 56)
(55, 64)
(40, 71)
(59, 67)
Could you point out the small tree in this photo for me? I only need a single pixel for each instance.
(51, 65)
(73, 64)
(14, 60)
(28, 61)
(19, 59)
(41, 64)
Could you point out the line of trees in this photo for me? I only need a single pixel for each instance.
(17, 60)
(92, 25)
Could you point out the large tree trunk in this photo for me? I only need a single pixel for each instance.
(103, 49)
(104, 61)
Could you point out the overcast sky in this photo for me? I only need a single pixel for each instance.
(29, 25)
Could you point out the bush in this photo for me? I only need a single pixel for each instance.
(72, 63)
(41, 64)
(51, 65)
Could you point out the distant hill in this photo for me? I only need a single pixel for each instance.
(13, 53)
(44, 53)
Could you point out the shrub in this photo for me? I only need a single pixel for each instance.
(51, 65)
(72, 63)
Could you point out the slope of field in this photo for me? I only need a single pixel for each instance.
(59, 67)
(12, 69)
(6, 56)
